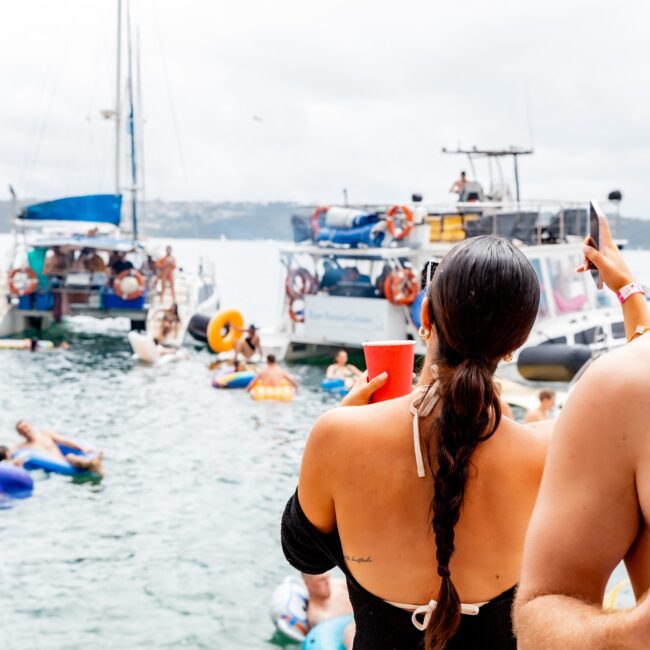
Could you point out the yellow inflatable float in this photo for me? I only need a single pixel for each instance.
(223, 330)
(285, 392)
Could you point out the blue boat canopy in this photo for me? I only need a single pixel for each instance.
(96, 208)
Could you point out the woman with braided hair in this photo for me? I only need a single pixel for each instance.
(423, 501)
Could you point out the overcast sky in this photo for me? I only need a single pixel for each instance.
(296, 99)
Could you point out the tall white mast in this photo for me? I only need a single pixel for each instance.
(117, 97)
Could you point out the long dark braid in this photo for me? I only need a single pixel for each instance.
(482, 302)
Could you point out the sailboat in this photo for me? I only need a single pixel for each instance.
(78, 255)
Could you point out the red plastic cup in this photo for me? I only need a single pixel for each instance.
(394, 357)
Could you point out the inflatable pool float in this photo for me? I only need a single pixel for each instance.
(239, 379)
(327, 635)
(289, 608)
(34, 460)
(146, 349)
(335, 385)
(25, 344)
(285, 392)
(224, 329)
(15, 482)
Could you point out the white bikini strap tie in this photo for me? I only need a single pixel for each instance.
(419, 408)
(427, 611)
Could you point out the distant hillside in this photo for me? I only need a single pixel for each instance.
(205, 220)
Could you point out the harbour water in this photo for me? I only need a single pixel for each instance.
(178, 546)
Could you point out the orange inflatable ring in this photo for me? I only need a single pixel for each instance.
(401, 287)
(23, 281)
(227, 319)
(300, 282)
(122, 292)
(296, 315)
(315, 218)
(390, 221)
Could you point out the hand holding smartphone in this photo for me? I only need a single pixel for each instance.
(596, 227)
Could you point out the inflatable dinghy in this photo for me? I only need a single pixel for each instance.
(146, 349)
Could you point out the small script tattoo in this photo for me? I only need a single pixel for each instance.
(358, 560)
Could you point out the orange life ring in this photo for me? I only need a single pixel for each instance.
(23, 281)
(299, 283)
(129, 295)
(390, 221)
(401, 287)
(315, 218)
(296, 315)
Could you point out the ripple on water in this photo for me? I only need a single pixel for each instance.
(178, 546)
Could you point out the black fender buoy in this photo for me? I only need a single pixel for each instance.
(198, 327)
(552, 361)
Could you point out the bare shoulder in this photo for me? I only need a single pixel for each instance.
(522, 447)
(342, 431)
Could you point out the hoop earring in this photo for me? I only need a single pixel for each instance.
(508, 357)
(424, 333)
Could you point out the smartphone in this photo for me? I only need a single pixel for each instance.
(596, 219)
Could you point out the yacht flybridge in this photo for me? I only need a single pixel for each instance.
(358, 273)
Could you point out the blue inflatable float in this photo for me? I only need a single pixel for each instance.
(15, 482)
(327, 635)
(34, 460)
(335, 385)
(233, 379)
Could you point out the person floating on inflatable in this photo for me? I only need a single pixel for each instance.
(341, 369)
(273, 383)
(328, 599)
(48, 442)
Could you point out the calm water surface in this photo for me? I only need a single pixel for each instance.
(178, 546)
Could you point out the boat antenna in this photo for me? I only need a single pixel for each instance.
(118, 76)
(134, 169)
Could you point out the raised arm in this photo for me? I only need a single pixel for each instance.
(586, 517)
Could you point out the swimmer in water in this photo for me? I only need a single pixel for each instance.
(328, 598)
(341, 369)
(47, 442)
(272, 375)
(248, 345)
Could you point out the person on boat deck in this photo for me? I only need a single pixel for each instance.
(328, 598)
(458, 184)
(118, 263)
(247, 345)
(47, 442)
(56, 263)
(272, 375)
(428, 502)
(169, 324)
(166, 266)
(93, 261)
(341, 369)
(545, 409)
(593, 509)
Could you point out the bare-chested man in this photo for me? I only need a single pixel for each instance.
(272, 375)
(545, 409)
(328, 598)
(48, 442)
